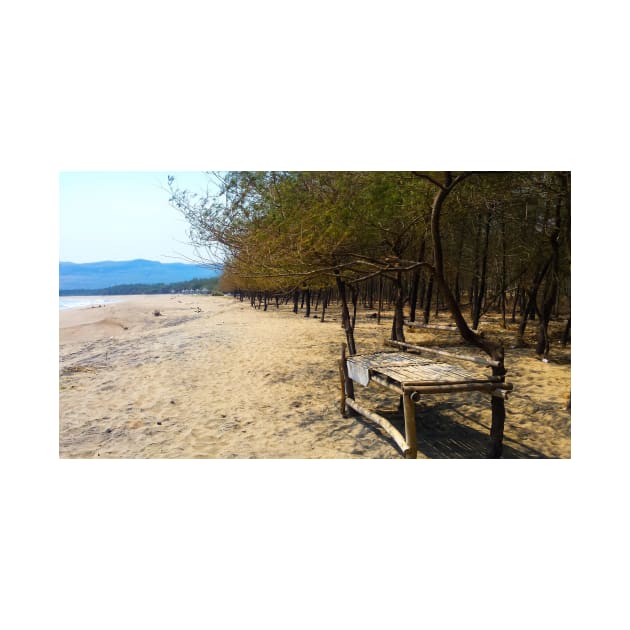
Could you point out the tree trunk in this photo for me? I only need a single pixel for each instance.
(494, 349)
(566, 335)
(474, 282)
(345, 314)
(427, 301)
(325, 303)
(380, 299)
(458, 263)
(532, 295)
(413, 296)
(308, 303)
(517, 297)
(529, 306)
(415, 282)
(503, 271)
(482, 274)
(354, 296)
(551, 286)
(398, 333)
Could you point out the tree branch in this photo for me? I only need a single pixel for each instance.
(428, 178)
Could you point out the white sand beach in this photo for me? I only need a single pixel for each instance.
(211, 377)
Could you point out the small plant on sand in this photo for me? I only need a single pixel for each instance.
(156, 312)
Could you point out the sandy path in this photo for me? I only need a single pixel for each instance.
(213, 378)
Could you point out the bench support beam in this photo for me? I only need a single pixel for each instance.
(382, 422)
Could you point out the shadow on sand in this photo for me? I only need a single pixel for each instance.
(441, 436)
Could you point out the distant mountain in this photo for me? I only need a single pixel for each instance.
(100, 275)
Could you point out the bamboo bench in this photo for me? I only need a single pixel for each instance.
(412, 376)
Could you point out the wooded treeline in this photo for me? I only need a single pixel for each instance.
(466, 242)
(196, 284)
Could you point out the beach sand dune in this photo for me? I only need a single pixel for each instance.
(211, 377)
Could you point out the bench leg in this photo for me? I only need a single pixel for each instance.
(410, 426)
(347, 386)
(496, 430)
(344, 408)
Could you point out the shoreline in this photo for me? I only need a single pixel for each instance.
(211, 377)
(69, 302)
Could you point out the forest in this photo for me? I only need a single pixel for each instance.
(466, 243)
(196, 284)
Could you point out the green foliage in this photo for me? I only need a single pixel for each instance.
(277, 230)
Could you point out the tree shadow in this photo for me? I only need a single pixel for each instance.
(441, 436)
(560, 359)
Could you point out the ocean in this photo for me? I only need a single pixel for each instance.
(84, 301)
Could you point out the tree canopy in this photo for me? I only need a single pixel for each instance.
(483, 240)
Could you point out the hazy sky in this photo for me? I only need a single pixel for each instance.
(122, 216)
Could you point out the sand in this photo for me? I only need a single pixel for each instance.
(211, 377)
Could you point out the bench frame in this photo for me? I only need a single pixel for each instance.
(411, 394)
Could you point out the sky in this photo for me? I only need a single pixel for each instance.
(122, 216)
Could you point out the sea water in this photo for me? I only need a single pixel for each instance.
(84, 301)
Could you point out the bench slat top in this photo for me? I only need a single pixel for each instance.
(405, 368)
